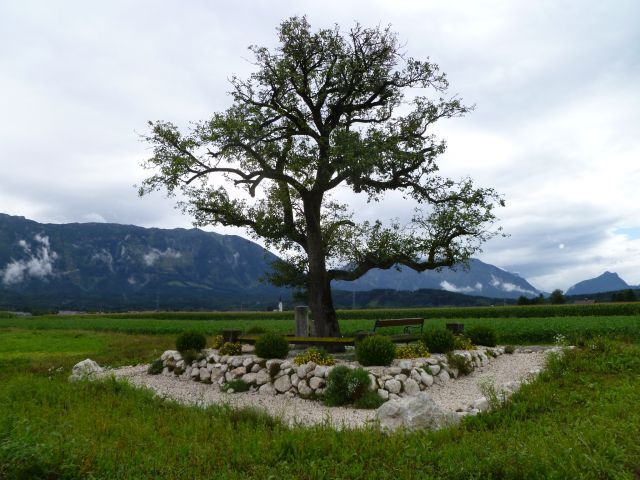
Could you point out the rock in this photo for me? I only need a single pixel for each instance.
(393, 386)
(205, 374)
(401, 378)
(434, 369)
(255, 368)
(282, 384)
(415, 375)
(249, 378)
(85, 370)
(301, 371)
(373, 382)
(383, 394)
(426, 379)
(432, 361)
(195, 373)
(411, 387)
(394, 371)
(394, 396)
(481, 404)
(417, 412)
(236, 361)
(286, 364)
(239, 371)
(262, 377)
(377, 371)
(316, 382)
(215, 373)
(273, 361)
(303, 389)
(174, 354)
(319, 371)
(320, 392)
(294, 380)
(405, 365)
(267, 389)
(224, 367)
(247, 362)
(443, 376)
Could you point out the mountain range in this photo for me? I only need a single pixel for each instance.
(102, 266)
(607, 282)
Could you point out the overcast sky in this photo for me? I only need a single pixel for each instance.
(556, 129)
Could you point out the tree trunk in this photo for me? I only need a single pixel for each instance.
(325, 320)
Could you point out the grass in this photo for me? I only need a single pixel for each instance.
(576, 421)
(511, 330)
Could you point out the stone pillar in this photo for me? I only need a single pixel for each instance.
(302, 321)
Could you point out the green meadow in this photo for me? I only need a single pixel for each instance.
(577, 420)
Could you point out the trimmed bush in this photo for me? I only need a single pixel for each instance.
(191, 340)
(315, 355)
(346, 385)
(272, 345)
(439, 341)
(231, 349)
(156, 367)
(483, 335)
(375, 350)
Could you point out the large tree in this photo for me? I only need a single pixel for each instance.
(323, 111)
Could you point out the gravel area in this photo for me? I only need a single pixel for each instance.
(293, 410)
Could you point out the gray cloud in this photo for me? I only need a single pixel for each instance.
(556, 86)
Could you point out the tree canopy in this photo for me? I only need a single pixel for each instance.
(323, 111)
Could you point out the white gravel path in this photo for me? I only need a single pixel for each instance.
(294, 410)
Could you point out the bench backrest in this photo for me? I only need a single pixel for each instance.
(398, 321)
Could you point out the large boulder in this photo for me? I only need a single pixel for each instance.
(417, 412)
(85, 370)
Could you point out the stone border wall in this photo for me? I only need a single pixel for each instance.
(272, 377)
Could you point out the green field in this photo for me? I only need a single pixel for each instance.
(510, 330)
(577, 420)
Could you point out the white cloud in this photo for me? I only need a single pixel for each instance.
(509, 287)
(154, 255)
(38, 265)
(450, 287)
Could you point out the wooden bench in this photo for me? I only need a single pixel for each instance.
(408, 323)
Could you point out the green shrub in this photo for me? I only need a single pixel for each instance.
(156, 367)
(191, 340)
(346, 385)
(415, 350)
(483, 335)
(459, 362)
(463, 343)
(231, 349)
(509, 349)
(237, 385)
(272, 345)
(315, 355)
(375, 350)
(190, 356)
(370, 400)
(439, 341)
